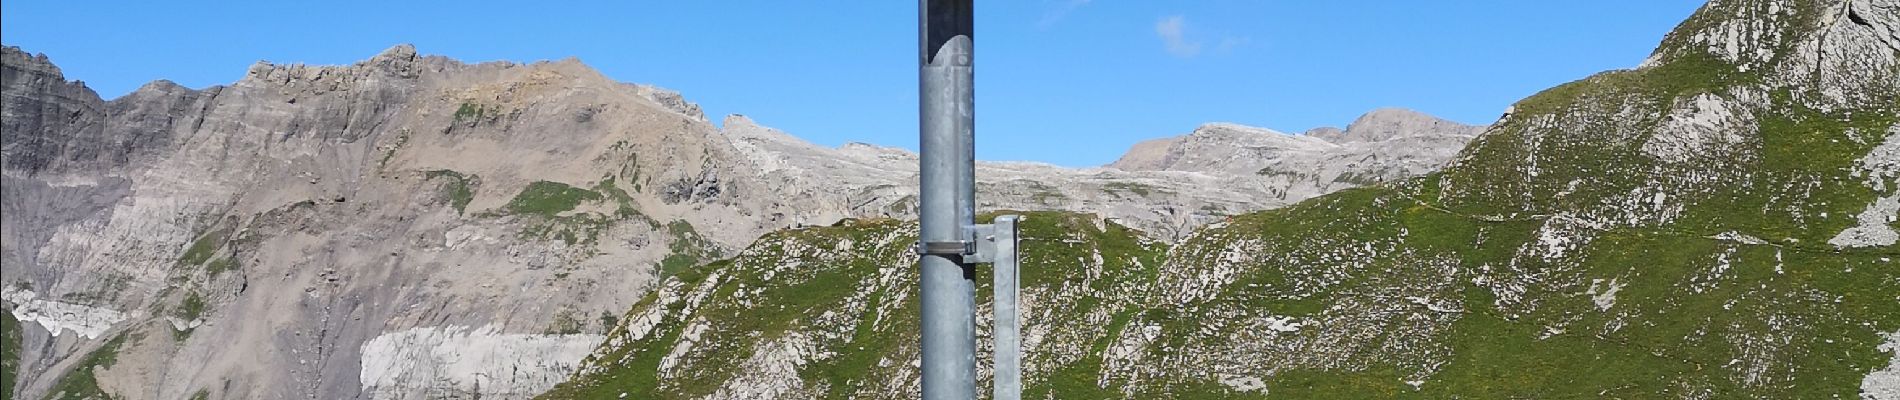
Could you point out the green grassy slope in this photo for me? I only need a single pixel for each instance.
(1661, 232)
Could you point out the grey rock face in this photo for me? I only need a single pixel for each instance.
(51, 122)
(258, 238)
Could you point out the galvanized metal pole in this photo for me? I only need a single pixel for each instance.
(946, 206)
(1006, 333)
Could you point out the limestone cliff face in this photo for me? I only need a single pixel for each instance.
(408, 225)
(389, 229)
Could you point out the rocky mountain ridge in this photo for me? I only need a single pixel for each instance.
(1382, 145)
(411, 226)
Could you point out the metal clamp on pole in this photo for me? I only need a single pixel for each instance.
(957, 248)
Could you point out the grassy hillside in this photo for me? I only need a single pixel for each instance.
(1683, 230)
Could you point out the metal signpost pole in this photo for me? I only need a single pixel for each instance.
(946, 215)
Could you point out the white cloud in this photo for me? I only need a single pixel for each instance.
(1172, 32)
(1060, 11)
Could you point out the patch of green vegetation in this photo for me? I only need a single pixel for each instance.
(402, 138)
(1805, 188)
(202, 394)
(9, 351)
(221, 265)
(80, 383)
(583, 228)
(1358, 179)
(631, 170)
(459, 188)
(1275, 173)
(608, 321)
(192, 307)
(1046, 197)
(635, 363)
(548, 199)
(687, 249)
(204, 247)
(473, 112)
(795, 280)
(1376, 383)
(1077, 380)
(624, 205)
(903, 206)
(1042, 193)
(1139, 189)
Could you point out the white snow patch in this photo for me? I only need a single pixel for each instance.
(58, 317)
(470, 359)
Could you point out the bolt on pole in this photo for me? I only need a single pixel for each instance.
(947, 217)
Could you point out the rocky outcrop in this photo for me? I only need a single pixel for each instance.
(52, 123)
(255, 240)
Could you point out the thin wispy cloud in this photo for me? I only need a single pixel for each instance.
(1059, 12)
(1172, 30)
(1228, 44)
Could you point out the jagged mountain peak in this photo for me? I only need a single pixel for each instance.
(1398, 143)
(398, 52)
(14, 55)
(736, 121)
(1390, 123)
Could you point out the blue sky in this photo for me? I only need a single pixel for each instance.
(1071, 82)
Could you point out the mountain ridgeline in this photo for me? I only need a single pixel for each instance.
(412, 226)
(1719, 222)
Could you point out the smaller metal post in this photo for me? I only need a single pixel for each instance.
(1007, 332)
